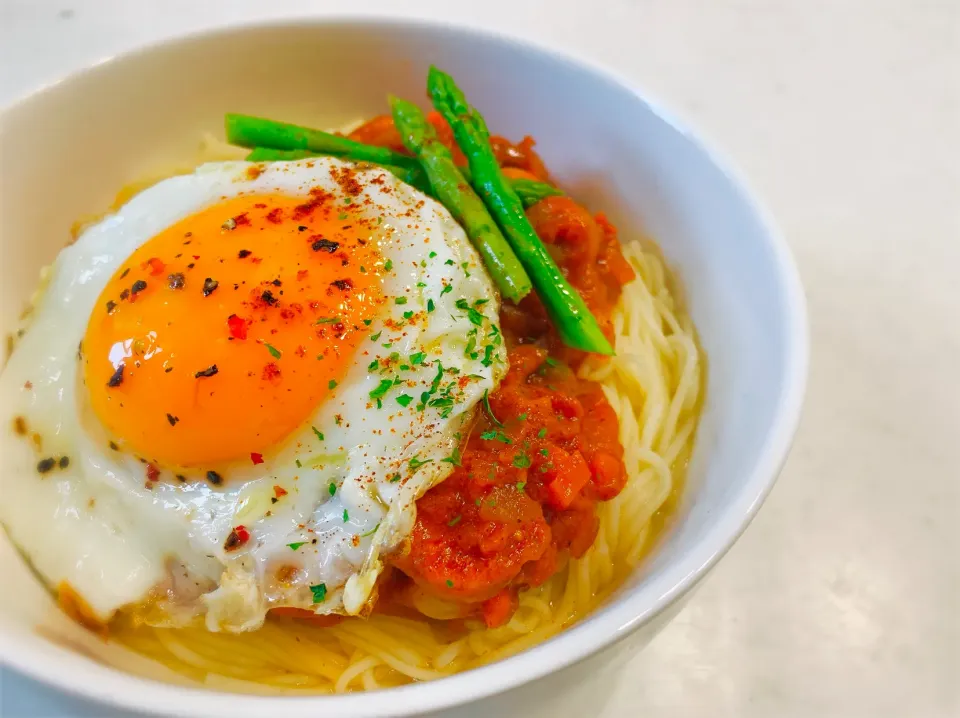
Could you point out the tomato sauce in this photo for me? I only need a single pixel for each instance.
(544, 448)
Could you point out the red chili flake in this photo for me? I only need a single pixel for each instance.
(153, 473)
(302, 274)
(342, 284)
(301, 351)
(156, 266)
(237, 326)
(256, 458)
(237, 538)
(241, 219)
(271, 373)
(260, 205)
(275, 215)
(279, 491)
(28, 384)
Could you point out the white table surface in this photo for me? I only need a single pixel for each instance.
(842, 598)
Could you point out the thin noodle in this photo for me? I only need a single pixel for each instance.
(654, 385)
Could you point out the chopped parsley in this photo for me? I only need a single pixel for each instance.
(449, 583)
(449, 262)
(486, 407)
(376, 336)
(430, 305)
(454, 457)
(295, 546)
(542, 433)
(447, 288)
(332, 384)
(400, 300)
(494, 435)
(319, 592)
(408, 315)
(417, 358)
(521, 461)
(332, 488)
(374, 365)
(346, 516)
(388, 265)
(394, 479)
(416, 463)
(487, 355)
(297, 462)
(521, 485)
(317, 432)
(371, 532)
(382, 388)
(274, 352)
(522, 417)
(454, 521)
(544, 452)
(404, 400)
(432, 255)
(328, 320)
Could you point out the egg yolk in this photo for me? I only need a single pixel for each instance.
(222, 335)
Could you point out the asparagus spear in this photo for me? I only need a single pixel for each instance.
(266, 154)
(576, 325)
(276, 141)
(252, 132)
(530, 191)
(467, 208)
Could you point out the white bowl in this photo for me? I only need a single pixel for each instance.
(65, 151)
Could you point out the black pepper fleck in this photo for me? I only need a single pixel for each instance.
(64, 462)
(244, 253)
(342, 284)
(138, 286)
(116, 378)
(176, 281)
(45, 465)
(111, 306)
(268, 297)
(173, 419)
(206, 373)
(214, 478)
(325, 245)
(210, 286)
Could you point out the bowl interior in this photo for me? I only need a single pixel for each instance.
(65, 151)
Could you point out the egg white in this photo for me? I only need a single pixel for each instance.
(120, 543)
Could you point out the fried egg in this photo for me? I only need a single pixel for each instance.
(234, 389)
